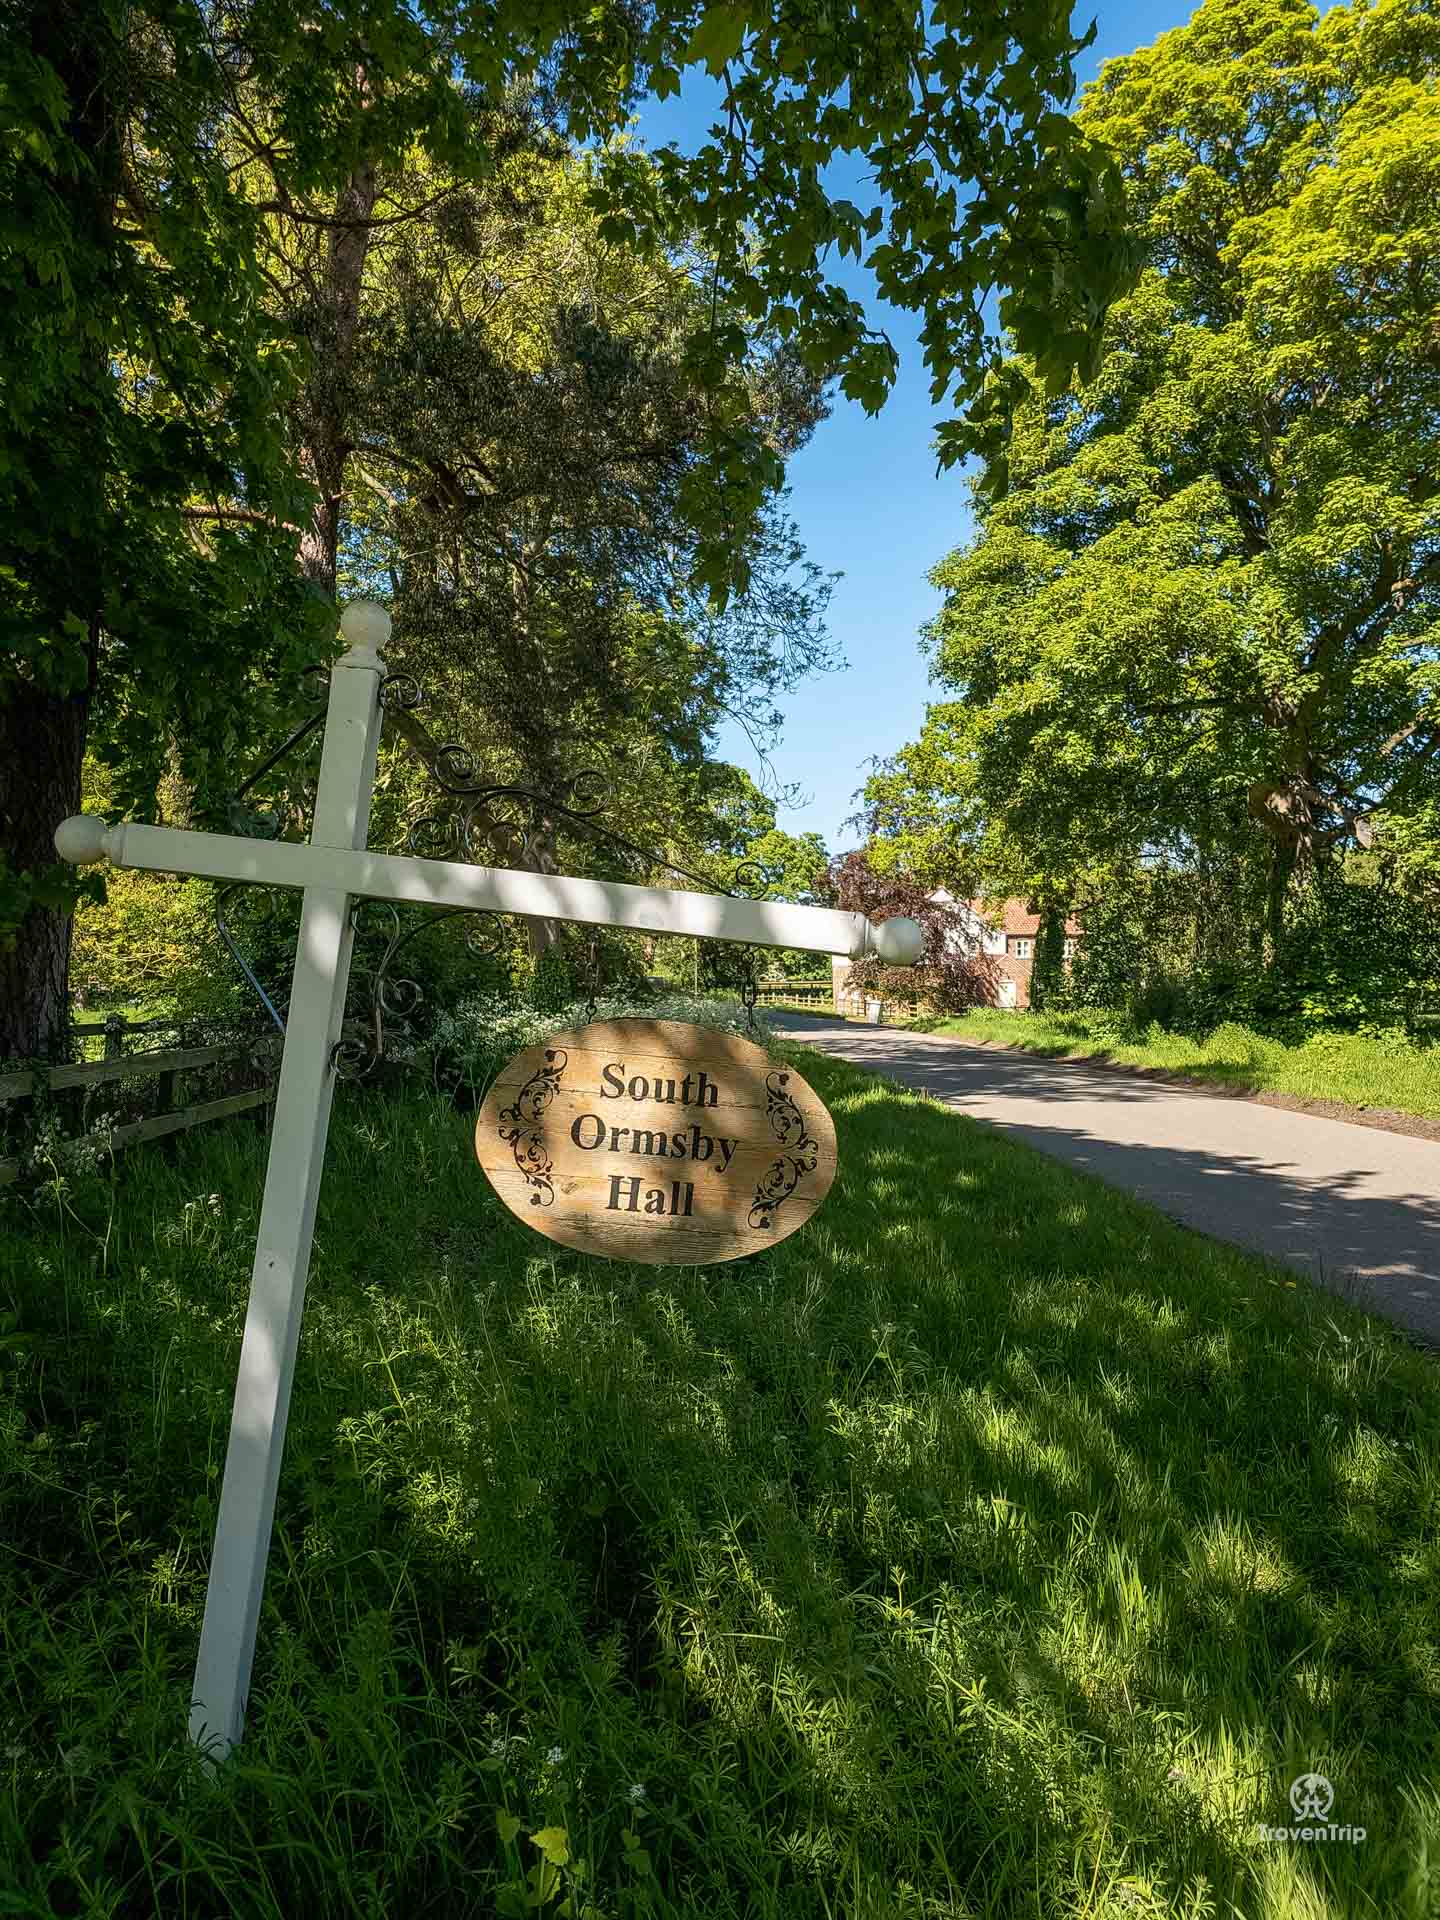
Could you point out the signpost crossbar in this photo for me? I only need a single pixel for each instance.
(454, 883)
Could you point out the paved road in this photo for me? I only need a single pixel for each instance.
(1356, 1208)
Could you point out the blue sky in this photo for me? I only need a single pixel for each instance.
(867, 502)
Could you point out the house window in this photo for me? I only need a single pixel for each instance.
(1021, 946)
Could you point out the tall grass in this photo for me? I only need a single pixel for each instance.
(1360, 1070)
(991, 1548)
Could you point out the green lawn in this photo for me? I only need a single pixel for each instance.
(1331, 1066)
(992, 1547)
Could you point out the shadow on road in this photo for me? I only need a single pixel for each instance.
(1355, 1208)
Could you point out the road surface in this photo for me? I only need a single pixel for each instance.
(1356, 1208)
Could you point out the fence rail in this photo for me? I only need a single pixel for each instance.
(126, 1066)
(167, 1067)
(804, 993)
(114, 1030)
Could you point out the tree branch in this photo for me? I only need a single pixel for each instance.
(247, 516)
(290, 211)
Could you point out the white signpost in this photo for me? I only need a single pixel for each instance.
(335, 869)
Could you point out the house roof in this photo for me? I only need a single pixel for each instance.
(1010, 916)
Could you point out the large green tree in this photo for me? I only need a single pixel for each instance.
(140, 376)
(524, 428)
(145, 515)
(522, 425)
(1200, 608)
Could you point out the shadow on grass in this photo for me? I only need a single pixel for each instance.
(1378, 1249)
(996, 1520)
(992, 1547)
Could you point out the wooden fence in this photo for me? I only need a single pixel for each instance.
(168, 1067)
(796, 993)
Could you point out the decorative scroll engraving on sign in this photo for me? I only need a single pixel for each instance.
(802, 1151)
(522, 1127)
(653, 1141)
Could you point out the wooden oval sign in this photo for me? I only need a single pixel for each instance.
(654, 1141)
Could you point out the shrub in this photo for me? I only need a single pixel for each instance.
(551, 985)
(564, 972)
(1180, 948)
(473, 1041)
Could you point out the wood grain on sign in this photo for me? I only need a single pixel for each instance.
(654, 1141)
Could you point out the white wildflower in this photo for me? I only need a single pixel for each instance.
(637, 1793)
(555, 1756)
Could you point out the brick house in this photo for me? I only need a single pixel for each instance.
(1005, 935)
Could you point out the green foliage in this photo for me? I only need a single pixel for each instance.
(1356, 957)
(585, 960)
(153, 938)
(142, 377)
(152, 376)
(173, 425)
(793, 867)
(1047, 973)
(1112, 960)
(1408, 852)
(477, 1036)
(1173, 942)
(1199, 613)
(554, 620)
(1386, 1068)
(1180, 946)
(59, 886)
(751, 1583)
(975, 102)
(156, 940)
(552, 984)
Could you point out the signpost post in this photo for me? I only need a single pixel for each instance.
(334, 869)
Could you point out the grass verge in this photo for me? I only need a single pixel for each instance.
(991, 1548)
(1351, 1068)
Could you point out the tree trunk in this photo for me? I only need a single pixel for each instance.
(42, 745)
(326, 446)
(542, 934)
(42, 734)
(320, 540)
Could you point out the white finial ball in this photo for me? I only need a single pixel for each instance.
(366, 627)
(898, 941)
(81, 839)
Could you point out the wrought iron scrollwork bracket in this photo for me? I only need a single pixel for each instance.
(395, 999)
(511, 822)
